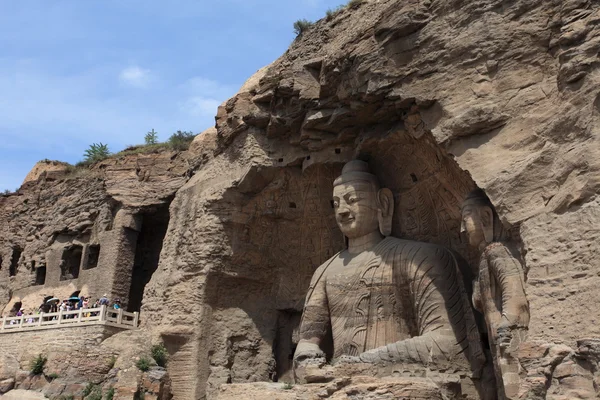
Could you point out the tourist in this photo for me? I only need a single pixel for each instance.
(104, 300)
(117, 304)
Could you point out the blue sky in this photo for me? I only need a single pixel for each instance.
(75, 72)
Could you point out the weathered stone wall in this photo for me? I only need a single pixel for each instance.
(56, 210)
(439, 97)
(72, 352)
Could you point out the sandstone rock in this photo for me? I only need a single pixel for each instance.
(47, 170)
(20, 394)
(6, 385)
(360, 388)
(9, 366)
(440, 97)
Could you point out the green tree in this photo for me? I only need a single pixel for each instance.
(96, 152)
(151, 137)
(181, 140)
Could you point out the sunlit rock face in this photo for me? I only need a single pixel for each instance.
(440, 98)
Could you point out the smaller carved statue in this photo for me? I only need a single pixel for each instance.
(499, 291)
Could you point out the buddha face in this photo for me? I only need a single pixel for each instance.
(477, 224)
(355, 205)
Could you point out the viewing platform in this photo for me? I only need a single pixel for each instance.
(63, 319)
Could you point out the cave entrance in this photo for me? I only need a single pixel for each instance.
(40, 275)
(147, 253)
(284, 346)
(92, 256)
(71, 262)
(14, 261)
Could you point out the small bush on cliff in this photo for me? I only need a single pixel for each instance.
(181, 140)
(92, 392)
(111, 362)
(52, 376)
(96, 152)
(329, 14)
(159, 353)
(143, 364)
(38, 364)
(301, 26)
(353, 4)
(110, 393)
(151, 137)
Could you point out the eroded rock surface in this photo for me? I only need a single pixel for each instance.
(440, 97)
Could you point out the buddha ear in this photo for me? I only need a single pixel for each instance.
(385, 206)
(487, 223)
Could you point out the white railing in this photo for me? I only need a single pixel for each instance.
(83, 317)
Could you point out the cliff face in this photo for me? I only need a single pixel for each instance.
(440, 97)
(65, 230)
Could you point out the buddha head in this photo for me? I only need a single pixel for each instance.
(361, 205)
(480, 221)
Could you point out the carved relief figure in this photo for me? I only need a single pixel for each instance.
(499, 292)
(383, 299)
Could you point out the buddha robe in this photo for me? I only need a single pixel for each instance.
(401, 302)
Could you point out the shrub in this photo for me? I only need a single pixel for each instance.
(329, 14)
(159, 353)
(6, 192)
(111, 362)
(92, 392)
(139, 395)
(52, 376)
(180, 140)
(287, 386)
(96, 152)
(151, 137)
(110, 393)
(353, 4)
(301, 26)
(66, 397)
(37, 364)
(143, 364)
(142, 149)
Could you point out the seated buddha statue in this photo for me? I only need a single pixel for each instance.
(383, 299)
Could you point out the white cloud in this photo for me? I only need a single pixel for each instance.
(204, 96)
(199, 106)
(135, 76)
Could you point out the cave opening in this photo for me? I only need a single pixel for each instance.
(92, 256)
(40, 275)
(149, 245)
(285, 343)
(14, 261)
(71, 262)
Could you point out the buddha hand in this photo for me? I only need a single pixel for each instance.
(307, 351)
